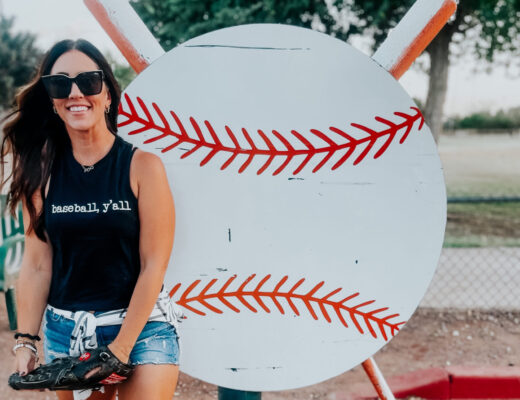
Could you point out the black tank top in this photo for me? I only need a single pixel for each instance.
(93, 224)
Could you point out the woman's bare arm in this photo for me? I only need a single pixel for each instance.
(32, 287)
(157, 221)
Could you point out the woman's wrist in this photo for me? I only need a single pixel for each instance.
(26, 347)
(27, 341)
(28, 336)
(121, 351)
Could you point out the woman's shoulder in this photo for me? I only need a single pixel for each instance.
(145, 158)
(146, 168)
(145, 164)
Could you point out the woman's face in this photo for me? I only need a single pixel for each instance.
(80, 112)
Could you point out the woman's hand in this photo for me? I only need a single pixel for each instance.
(122, 353)
(25, 361)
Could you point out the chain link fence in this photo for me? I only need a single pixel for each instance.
(479, 266)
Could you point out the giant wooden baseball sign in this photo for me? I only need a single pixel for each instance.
(309, 197)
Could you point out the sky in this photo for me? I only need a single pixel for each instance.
(468, 91)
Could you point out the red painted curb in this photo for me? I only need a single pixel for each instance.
(484, 382)
(433, 383)
(457, 382)
(426, 383)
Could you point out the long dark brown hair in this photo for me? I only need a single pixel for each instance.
(34, 134)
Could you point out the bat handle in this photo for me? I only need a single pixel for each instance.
(413, 33)
(377, 379)
(127, 31)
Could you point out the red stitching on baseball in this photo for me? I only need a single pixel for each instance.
(288, 152)
(340, 308)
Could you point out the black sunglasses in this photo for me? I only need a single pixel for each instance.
(59, 86)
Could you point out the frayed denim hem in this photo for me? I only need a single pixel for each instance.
(154, 363)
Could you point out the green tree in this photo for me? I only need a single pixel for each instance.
(505, 120)
(175, 21)
(483, 27)
(496, 23)
(18, 60)
(123, 73)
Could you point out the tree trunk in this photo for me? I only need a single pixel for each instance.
(438, 50)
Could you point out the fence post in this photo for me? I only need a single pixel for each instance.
(11, 307)
(231, 394)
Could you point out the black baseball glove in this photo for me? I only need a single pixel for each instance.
(68, 373)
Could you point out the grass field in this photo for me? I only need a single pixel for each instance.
(485, 165)
(483, 224)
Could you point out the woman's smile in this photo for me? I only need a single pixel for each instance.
(76, 109)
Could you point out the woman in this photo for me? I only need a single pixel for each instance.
(99, 221)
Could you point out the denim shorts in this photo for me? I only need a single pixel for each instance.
(157, 344)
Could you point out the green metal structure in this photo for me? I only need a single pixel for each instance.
(12, 244)
(231, 394)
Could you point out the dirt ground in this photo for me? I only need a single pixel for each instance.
(431, 338)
